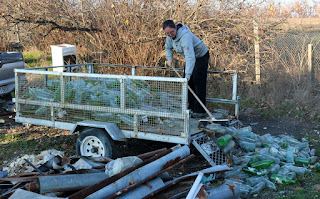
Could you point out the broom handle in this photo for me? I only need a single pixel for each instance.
(195, 96)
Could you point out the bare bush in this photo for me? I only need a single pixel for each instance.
(130, 32)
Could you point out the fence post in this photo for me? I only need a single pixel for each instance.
(310, 64)
(256, 50)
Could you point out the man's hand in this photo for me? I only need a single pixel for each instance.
(169, 63)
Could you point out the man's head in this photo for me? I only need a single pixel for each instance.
(170, 28)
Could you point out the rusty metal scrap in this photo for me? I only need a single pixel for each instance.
(151, 177)
(89, 190)
(77, 186)
(216, 169)
(140, 174)
(150, 154)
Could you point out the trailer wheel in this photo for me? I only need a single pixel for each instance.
(95, 143)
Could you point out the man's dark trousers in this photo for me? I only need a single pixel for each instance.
(198, 83)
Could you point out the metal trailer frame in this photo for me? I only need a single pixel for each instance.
(180, 138)
(187, 136)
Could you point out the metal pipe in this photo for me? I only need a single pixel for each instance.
(121, 65)
(133, 71)
(141, 173)
(234, 86)
(69, 182)
(90, 68)
(150, 177)
(237, 108)
(224, 191)
(91, 189)
(143, 190)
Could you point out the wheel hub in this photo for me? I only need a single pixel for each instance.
(94, 149)
(92, 146)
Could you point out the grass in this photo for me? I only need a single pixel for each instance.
(303, 188)
(37, 139)
(269, 112)
(35, 58)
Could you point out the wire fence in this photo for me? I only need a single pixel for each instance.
(294, 53)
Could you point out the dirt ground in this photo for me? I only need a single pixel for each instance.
(42, 138)
(297, 127)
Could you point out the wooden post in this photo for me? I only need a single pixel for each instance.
(310, 64)
(256, 50)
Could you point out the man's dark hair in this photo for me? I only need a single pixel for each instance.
(168, 23)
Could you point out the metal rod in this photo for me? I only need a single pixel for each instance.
(89, 190)
(21, 179)
(38, 170)
(224, 168)
(13, 157)
(13, 188)
(121, 65)
(150, 154)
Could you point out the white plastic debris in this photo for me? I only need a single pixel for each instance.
(82, 164)
(19, 165)
(120, 164)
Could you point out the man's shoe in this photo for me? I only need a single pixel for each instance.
(198, 115)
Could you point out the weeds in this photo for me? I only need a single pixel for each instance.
(35, 58)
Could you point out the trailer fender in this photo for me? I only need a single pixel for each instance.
(112, 129)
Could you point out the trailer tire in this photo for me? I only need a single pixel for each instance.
(95, 143)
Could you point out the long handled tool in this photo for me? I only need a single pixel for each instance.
(213, 119)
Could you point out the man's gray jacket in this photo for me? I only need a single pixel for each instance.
(188, 45)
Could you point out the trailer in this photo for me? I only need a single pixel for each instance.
(109, 108)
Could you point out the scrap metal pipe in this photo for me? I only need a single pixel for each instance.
(91, 189)
(150, 177)
(65, 182)
(143, 190)
(225, 191)
(141, 173)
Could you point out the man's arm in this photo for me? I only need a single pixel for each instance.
(187, 44)
(169, 51)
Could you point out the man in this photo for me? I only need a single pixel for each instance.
(196, 55)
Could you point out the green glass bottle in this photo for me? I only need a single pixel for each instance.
(281, 179)
(250, 170)
(262, 164)
(255, 171)
(224, 140)
(302, 161)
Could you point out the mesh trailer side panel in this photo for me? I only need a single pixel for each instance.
(136, 103)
